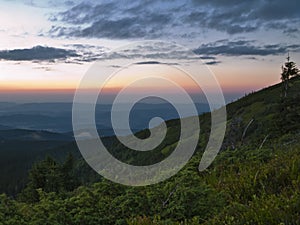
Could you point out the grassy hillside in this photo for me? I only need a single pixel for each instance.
(255, 179)
(253, 120)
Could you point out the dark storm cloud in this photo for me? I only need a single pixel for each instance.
(150, 19)
(243, 47)
(36, 53)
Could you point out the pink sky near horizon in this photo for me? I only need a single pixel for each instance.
(25, 83)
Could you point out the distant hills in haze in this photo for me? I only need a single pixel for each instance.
(31, 131)
(57, 117)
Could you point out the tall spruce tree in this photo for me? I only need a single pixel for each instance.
(289, 70)
(289, 114)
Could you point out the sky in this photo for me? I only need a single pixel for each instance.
(48, 46)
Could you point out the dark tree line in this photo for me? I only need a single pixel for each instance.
(50, 176)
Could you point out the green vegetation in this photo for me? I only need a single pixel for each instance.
(254, 180)
(18, 156)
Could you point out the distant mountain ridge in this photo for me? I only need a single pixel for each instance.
(33, 135)
(57, 117)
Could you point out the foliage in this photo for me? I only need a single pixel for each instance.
(289, 70)
(49, 176)
(256, 182)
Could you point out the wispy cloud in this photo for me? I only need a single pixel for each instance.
(243, 47)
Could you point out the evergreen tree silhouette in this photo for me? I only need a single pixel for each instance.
(289, 70)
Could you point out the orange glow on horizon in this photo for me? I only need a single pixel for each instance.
(227, 86)
(37, 85)
(250, 79)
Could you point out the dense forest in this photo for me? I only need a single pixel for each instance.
(255, 179)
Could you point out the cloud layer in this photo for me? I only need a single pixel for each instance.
(243, 48)
(39, 53)
(150, 19)
(151, 52)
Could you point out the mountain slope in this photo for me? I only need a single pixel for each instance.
(251, 120)
(255, 179)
